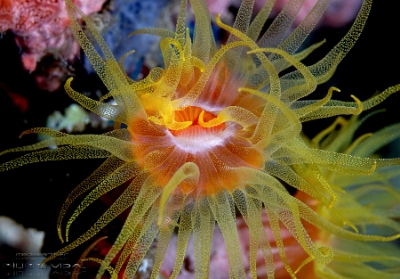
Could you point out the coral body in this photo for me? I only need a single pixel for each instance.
(42, 28)
(217, 128)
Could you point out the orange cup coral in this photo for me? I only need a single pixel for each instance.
(369, 203)
(214, 130)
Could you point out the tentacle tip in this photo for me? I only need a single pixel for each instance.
(306, 261)
(218, 20)
(351, 225)
(44, 262)
(334, 200)
(359, 105)
(26, 132)
(60, 236)
(333, 88)
(251, 51)
(373, 168)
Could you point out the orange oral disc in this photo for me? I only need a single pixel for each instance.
(192, 113)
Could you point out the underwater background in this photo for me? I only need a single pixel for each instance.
(30, 96)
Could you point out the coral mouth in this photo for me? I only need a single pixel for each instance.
(196, 137)
(192, 114)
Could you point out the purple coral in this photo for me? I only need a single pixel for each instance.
(338, 13)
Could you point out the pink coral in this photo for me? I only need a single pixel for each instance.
(219, 6)
(41, 28)
(338, 13)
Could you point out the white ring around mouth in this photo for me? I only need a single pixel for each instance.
(200, 140)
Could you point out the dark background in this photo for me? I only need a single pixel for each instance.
(32, 195)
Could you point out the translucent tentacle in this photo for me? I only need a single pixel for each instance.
(316, 141)
(185, 230)
(95, 59)
(235, 114)
(188, 172)
(121, 204)
(242, 20)
(117, 178)
(121, 65)
(313, 218)
(77, 268)
(339, 162)
(147, 195)
(126, 252)
(378, 140)
(285, 173)
(304, 111)
(161, 32)
(281, 24)
(59, 154)
(108, 69)
(203, 229)
(306, 52)
(112, 112)
(44, 131)
(298, 91)
(94, 179)
(276, 231)
(257, 24)
(297, 37)
(251, 212)
(332, 108)
(145, 239)
(282, 206)
(180, 29)
(195, 91)
(222, 208)
(277, 140)
(166, 231)
(204, 43)
(324, 68)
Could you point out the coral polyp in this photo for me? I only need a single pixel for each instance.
(370, 203)
(215, 130)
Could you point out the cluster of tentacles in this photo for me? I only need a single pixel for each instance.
(217, 129)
